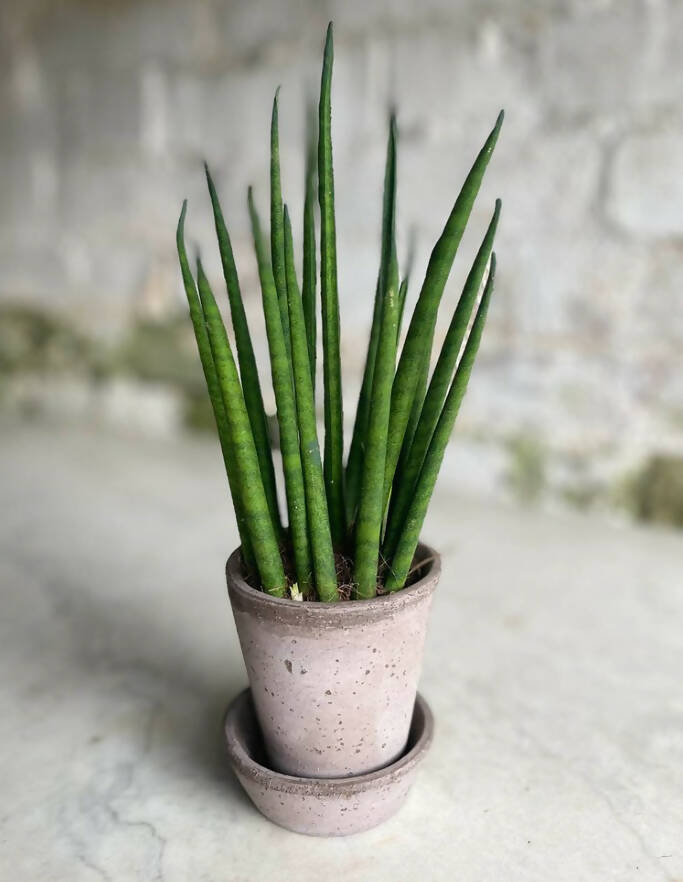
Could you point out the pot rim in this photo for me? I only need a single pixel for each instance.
(241, 710)
(341, 613)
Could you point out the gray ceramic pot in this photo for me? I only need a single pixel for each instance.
(333, 684)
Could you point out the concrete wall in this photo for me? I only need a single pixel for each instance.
(107, 108)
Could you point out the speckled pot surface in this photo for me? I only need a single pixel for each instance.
(322, 806)
(333, 684)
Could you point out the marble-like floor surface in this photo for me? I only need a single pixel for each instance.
(554, 666)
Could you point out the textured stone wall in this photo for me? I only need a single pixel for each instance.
(107, 108)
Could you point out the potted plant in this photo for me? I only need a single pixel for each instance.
(331, 610)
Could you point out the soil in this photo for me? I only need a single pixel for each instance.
(345, 583)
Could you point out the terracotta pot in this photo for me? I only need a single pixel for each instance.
(333, 684)
(322, 806)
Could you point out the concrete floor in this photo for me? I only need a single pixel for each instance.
(554, 667)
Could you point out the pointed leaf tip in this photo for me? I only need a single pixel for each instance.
(493, 134)
(180, 229)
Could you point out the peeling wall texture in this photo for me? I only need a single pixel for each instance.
(107, 108)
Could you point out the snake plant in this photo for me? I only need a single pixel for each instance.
(353, 529)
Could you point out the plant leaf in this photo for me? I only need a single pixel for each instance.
(412, 526)
(314, 482)
(283, 387)
(406, 478)
(259, 522)
(277, 241)
(245, 356)
(418, 344)
(308, 289)
(371, 502)
(334, 419)
(212, 385)
(354, 466)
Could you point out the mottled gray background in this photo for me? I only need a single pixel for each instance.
(108, 108)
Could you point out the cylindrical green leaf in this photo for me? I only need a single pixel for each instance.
(308, 286)
(277, 241)
(253, 497)
(334, 419)
(418, 343)
(406, 477)
(206, 358)
(371, 503)
(410, 534)
(354, 465)
(281, 371)
(245, 356)
(314, 482)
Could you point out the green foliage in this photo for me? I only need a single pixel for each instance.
(308, 287)
(526, 472)
(364, 519)
(245, 356)
(357, 450)
(314, 483)
(657, 490)
(371, 503)
(432, 405)
(214, 388)
(277, 233)
(334, 419)
(414, 362)
(35, 340)
(283, 386)
(242, 461)
(409, 534)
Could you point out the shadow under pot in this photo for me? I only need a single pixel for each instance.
(333, 684)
